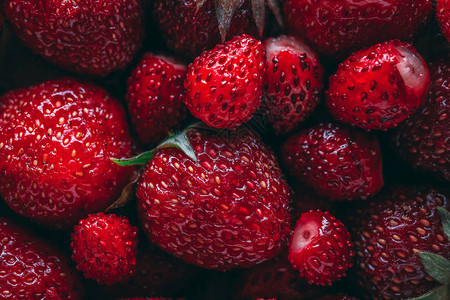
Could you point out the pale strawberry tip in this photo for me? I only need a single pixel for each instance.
(274, 46)
(304, 232)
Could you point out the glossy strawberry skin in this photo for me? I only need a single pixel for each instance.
(370, 91)
(338, 27)
(293, 82)
(228, 210)
(32, 269)
(224, 85)
(443, 16)
(423, 140)
(87, 37)
(190, 31)
(56, 142)
(104, 248)
(155, 97)
(339, 163)
(391, 230)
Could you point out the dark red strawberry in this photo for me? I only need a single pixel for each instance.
(339, 163)
(320, 248)
(87, 36)
(443, 16)
(293, 82)
(155, 97)
(379, 87)
(391, 232)
(336, 27)
(32, 269)
(339, 296)
(56, 141)
(104, 248)
(224, 85)
(227, 209)
(424, 139)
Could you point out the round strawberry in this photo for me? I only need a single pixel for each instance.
(56, 141)
(32, 269)
(85, 36)
(392, 235)
(424, 139)
(337, 26)
(379, 87)
(104, 248)
(339, 163)
(225, 209)
(293, 82)
(443, 16)
(155, 97)
(224, 86)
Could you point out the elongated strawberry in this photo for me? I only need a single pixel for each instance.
(339, 163)
(32, 269)
(155, 97)
(443, 16)
(224, 85)
(423, 140)
(338, 26)
(56, 141)
(293, 82)
(85, 36)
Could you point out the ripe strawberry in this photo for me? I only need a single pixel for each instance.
(104, 248)
(226, 210)
(32, 269)
(391, 233)
(293, 82)
(443, 16)
(88, 36)
(56, 141)
(155, 97)
(224, 85)
(379, 87)
(336, 27)
(424, 139)
(339, 163)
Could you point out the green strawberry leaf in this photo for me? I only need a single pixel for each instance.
(445, 219)
(437, 266)
(128, 192)
(259, 14)
(275, 8)
(224, 13)
(439, 293)
(199, 3)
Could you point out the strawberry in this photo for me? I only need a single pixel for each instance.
(336, 27)
(32, 269)
(443, 17)
(224, 85)
(89, 37)
(423, 140)
(320, 248)
(392, 231)
(155, 97)
(379, 87)
(293, 82)
(223, 207)
(56, 141)
(104, 248)
(339, 163)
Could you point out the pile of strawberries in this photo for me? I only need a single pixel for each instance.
(226, 149)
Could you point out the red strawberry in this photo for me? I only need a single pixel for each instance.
(88, 36)
(391, 232)
(155, 97)
(293, 82)
(339, 163)
(443, 16)
(335, 26)
(424, 139)
(226, 210)
(56, 141)
(224, 85)
(320, 248)
(104, 248)
(379, 87)
(32, 269)
(339, 296)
